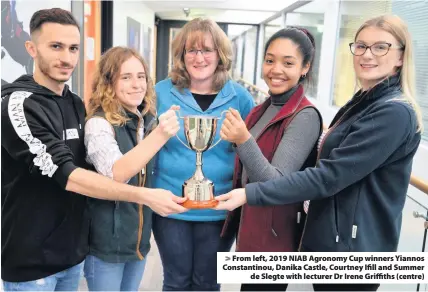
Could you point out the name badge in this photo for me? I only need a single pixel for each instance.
(71, 134)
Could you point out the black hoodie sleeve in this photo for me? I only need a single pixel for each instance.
(29, 137)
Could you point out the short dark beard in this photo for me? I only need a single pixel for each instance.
(45, 70)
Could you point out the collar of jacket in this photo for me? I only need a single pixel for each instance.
(225, 95)
(132, 123)
(281, 99)
(384, 87)
(133, 119)
(149, 119)
(288, 109)
(390, 86)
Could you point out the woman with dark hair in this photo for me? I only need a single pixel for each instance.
(277, 138)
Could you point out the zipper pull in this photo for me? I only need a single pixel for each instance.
(299, 215)
(274, 233)
(354, 231)
(337, 238)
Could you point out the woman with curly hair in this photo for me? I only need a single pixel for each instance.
(120, 140)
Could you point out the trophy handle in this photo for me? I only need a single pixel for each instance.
(219, 140)
(182, 142)
(176, 136)
(179, 116)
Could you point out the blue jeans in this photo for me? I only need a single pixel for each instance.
(67, 280)
(104, 276)
(188, 251)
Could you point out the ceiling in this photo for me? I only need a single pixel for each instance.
(231, 11)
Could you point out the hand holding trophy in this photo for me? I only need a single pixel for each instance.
(168, 122)
(199, 132)
(234, 129)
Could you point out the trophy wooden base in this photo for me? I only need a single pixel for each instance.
(199, 193)
(200, 204)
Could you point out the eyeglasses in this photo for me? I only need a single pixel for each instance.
(378, 49)
(205, 52)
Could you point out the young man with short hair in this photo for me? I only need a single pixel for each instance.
(44, 222)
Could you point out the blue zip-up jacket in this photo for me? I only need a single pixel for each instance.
(358, 188)
(174, 163)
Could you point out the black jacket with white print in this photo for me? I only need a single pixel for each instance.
(44, 227)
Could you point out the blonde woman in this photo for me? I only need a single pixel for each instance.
(121, 113)
(358, 187)
(188, 242)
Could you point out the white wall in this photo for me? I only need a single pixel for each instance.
(26, 9)
(139, 12)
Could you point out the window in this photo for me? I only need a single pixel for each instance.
(239, 35)
(270, 28)
(310, 17)
(353, 14)
(414, 13)
(250, 55)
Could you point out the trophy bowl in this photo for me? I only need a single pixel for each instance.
(199, 132)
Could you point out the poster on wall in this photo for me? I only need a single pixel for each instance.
(15, 31)
(134, 32)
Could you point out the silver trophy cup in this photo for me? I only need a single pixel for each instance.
(199, 132)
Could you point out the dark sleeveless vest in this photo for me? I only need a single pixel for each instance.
(120, 231)
(274, 228)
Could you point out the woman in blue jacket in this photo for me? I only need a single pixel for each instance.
(200, 84)
(358, 187)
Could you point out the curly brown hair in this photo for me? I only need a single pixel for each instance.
(103, 86)
(193, 32)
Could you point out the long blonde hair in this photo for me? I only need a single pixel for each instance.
(103, 86)
(194, 32)
(398, 28)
